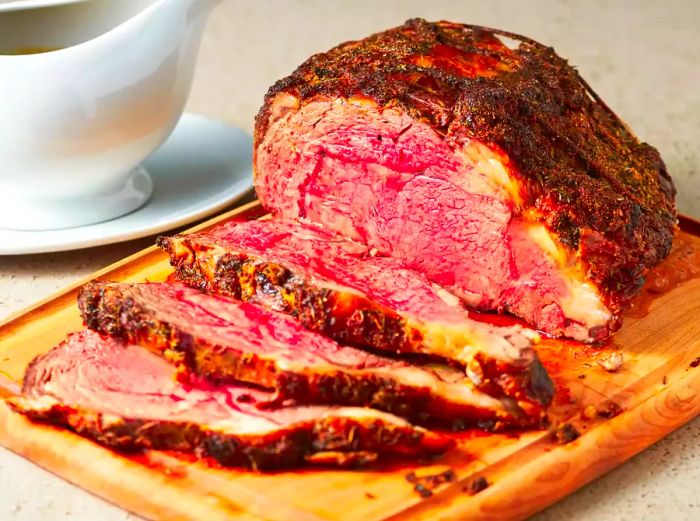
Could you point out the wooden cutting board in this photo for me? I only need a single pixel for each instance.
(656, 390)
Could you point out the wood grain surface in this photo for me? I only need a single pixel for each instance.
(656, 390)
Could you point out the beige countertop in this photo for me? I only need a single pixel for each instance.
(642, 57)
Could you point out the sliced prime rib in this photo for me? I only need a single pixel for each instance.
(335, 286)
(127, 397)
(480, 158)
(225, 340)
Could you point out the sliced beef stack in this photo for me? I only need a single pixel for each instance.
(480, 158)
(247, 385)
(335, 286)
(224, 340)
(125, 396)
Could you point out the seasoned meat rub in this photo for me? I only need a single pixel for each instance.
(227, 340)
(124, 396)
(478, 157)
(335, 286)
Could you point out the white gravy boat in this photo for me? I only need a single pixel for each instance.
(75, 123)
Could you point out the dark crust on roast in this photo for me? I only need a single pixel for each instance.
(593, 183)
(347, 318)
(343, 441)
(336, 441)
(111, 310)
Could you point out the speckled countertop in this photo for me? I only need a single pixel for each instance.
(642, 57)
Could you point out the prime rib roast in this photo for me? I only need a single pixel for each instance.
(127, 397)
(224, 340)
(414, 174)
(478, 157)
(335, 286)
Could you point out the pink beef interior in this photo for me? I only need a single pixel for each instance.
(90, 372)
(333, 258)
(390, 182)
(103, 374)
(337, 261)
(250, 329)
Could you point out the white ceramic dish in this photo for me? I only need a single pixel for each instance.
(204, 166)
(77, 121)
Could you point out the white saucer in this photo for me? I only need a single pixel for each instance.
(203, 166)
